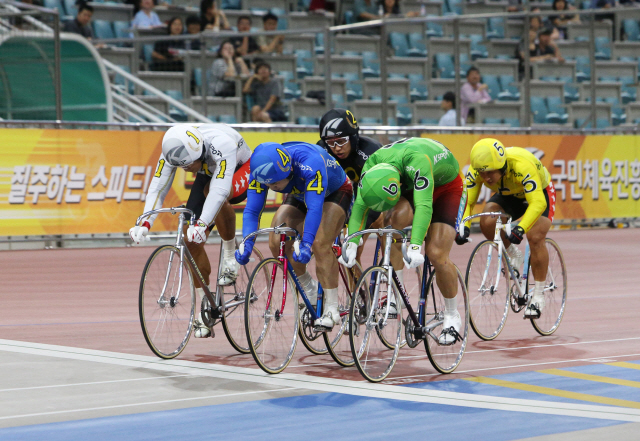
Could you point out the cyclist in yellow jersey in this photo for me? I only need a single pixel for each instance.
(523, 189)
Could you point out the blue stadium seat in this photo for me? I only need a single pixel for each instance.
(369, 121)
(417, 47)
(494, 88)
(302, 54)
(510, 91)
(512, 122)
(228, 119)
(304, 68)
(496, 28)
(353, 90)
(174, 112)
(351, 53)
(415, 78)
(291, 90)
(147, 50)
(121, 81)
(287, 75)
(603, 48)
(370, 55)
(418, 91)
(398, 42)
(54, 4)
(453, 7)
(319, 45)
(404, 115)
(444, 64)
(628, 94)
(351, 76)
(400, 99)
(571, 93)
(396, 76)
(102, 29)
(583, 69)
(539, 110)
(307, 120)
(70, 7)
(121, 29)
(478, 50)
(337, 98)
(429, 121)
(557, 113)
(231, 4)
(370, 68)
(434, 29)
(349, 18)
(492, 121)
(631, 29)
(618, 116)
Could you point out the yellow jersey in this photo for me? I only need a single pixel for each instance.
(525, 177)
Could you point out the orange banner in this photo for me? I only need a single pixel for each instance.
(81, 181)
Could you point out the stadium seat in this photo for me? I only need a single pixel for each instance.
(121, 81)
(370, 68)
(571, 93)
(404, 115)
(444, 64)
(603, 48)
(434, 29)
(400, 99)
(231, 4)
(291, 90)
(174, 112)
(70, 7)
(398, 42)
(227, 119)
(349, 18)
(601, 123)
(512, 122)
(304, 68)
(102, 29)
(494, 88)
(287, 75)
(417, 47)
(121, 29)
(631, 29)
(539, 110)
(354, 91)
(54, 4)
(307, 120)
(396, 76)
(351, 53)
(302, 54)
(418, 91)
(429, 121)
(478, 50)
(351, 76)
(369, 121)
(618, 116)
(510, 91)
(415, 78)
(147, 50)
(557, 113)
(337, 98)
(583, 69)
(628, 94)
(319, 45)
(492, 121)
(453, 7)
(496, 28)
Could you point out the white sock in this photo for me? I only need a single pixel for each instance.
(228, 248)
(200, 292)
(538, 290)
(331, 297)
(451, 305)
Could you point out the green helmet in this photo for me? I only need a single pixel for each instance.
(380, 187)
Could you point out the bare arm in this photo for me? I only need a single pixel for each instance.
(270, 103)
(247, 85)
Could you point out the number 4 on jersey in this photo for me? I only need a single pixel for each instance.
(255, 185)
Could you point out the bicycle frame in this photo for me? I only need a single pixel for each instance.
(184, 251)
(282, 230)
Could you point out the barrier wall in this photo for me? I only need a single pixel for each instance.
(84, 181)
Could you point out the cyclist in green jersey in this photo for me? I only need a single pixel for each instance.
(417, 182)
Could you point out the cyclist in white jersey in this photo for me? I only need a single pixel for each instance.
(219, 157)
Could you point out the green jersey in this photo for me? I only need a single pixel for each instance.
(423, 164)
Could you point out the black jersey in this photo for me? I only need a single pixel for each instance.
(353, 164)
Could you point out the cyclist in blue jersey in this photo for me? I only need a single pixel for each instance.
(319, 199)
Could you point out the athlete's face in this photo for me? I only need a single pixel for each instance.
(279, 186)
(491, 177)
(193, 168)
(341, 147)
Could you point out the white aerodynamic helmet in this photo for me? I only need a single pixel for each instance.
(182, 145)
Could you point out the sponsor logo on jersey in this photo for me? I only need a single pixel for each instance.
(363, 154)
(440, 156)
(332, 163)
(301, 166)
(214, 151)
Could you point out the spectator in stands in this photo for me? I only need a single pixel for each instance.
(473, 91)
(271, 43)
(165, 53)
(82, 23)
(544, 49)
(193, 28)
(212, 18)
(146, 18)
(365, 10)
(448, 104)
(245, 45)
(392, 8)
(605, 4)
(225, 69)
(561, 21)
(266, 93)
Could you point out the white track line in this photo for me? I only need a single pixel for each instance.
(321, 384)
(93, 383)
(148, 403)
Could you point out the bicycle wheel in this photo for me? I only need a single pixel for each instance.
(368, 329)
(234, 300)
(271, 322)
(337, 339)
(445, 358)
(167, 302)
(555, 292)
(488, 282)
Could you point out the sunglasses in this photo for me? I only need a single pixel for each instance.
(336, 142)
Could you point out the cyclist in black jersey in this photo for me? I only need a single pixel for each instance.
(339, 135)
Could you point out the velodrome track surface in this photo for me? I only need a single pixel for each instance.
(74, 364)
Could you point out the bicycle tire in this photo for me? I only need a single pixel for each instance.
(555, 292)
(372, 357)
(337, 339)
(268, 324)
(233, 317)
(445, 358)
(488, 307)
(166, 322)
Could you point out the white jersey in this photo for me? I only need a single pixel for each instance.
(225, 150)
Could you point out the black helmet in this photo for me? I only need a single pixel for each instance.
(338, 123)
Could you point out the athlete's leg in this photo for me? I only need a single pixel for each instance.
(399, 217)
(326, 263)
(226, 221)
(538, 247)
(200, 257)
(439, 240)
(379, 223)
(294, 218)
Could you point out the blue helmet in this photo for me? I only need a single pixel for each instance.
(270, 163)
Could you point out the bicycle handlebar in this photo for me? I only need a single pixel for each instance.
(387, 231)
(280, 229)
(506, 226)
(172, 210)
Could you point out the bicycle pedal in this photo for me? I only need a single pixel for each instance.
(320, 328)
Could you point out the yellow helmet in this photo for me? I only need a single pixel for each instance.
(488, 154)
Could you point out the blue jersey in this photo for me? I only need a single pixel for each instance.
(315, 176)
